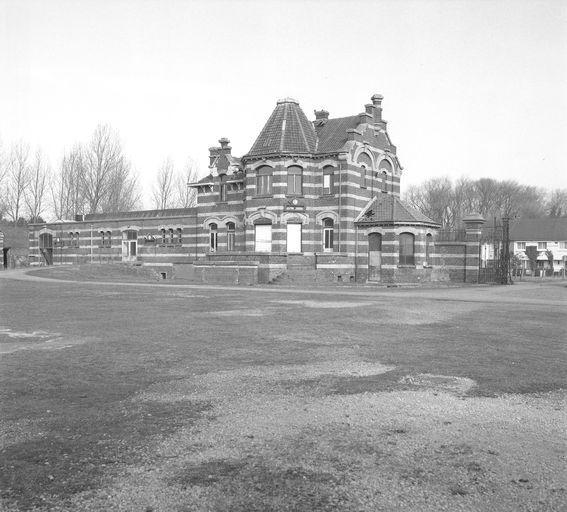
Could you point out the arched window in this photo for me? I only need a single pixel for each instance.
(171, 237)
(230, 235)
(77, 243)
(222, 188)
(328, 185)
(179, 235)
(294, 180)
(407, 249)
(264, 181)
(263, 236)
(213, 237)
(328, 235)
(365, 162)
(108, 239)
(428, 242)
(163, 236)
(386, 168)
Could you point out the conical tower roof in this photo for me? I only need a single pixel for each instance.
(287, 131)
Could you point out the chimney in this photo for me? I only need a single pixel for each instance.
(224, 143)
(213, 153)
(377, 104)
(321, 115)
(364, 117)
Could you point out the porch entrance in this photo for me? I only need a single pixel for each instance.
(374, 256)
(293, 238)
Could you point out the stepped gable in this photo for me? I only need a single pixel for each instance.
(388, 209)
(287, 131)
(332, 133)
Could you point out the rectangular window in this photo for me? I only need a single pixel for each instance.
(294, 181)
(222, 192)
(179, 235)
(263, 238)
(328, 236)
(563, 245)
(108, 239)
(327, 184)
(542, 246)
(213, 241)
(521, 246)
(264, 185)
(230, 241)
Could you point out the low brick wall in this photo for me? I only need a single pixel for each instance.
(226, 272)
(459, 259)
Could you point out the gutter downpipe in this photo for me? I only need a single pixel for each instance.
(340, 204)
(91, 244)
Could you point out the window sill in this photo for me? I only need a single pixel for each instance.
(262, 197)
(406, 266)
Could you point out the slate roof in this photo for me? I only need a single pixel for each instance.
(332, 135)
(144, 214)
(387, 208)
(287, 131)
(547, 229)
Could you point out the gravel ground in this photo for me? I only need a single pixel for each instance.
(273, 442)
(398, 400)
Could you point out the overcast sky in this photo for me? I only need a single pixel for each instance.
(471, 88)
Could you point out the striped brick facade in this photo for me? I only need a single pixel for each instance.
(311, 201)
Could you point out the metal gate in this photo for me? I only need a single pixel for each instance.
(494, 254)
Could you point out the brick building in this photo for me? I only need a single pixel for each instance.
(310, 201)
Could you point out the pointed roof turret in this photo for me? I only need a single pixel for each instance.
(287, 131)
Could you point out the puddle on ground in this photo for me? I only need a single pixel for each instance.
(15, 341)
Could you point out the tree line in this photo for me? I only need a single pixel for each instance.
(92, 177)
(447, 201)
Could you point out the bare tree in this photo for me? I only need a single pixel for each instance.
(123, 193)
(556, 204)
(3, 189)
(433, 198)
(163, 191)
(187, 197)
(17, 179)
(37, 184)
(67, 190)
(106, 171)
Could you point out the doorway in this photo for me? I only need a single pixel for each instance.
(46, 247)
(293, 238)
(374, 256)
(129, 245)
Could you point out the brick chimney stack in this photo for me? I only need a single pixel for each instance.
(321, 115)
(377, 107)
(213, 153)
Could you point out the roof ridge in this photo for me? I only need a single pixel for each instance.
(302, 130)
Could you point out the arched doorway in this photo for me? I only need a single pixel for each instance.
(374, 256)
(46, 247)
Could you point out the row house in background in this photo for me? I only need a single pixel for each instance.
(547, 238)
(311, 201)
